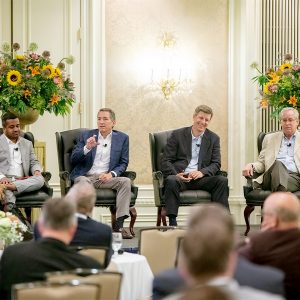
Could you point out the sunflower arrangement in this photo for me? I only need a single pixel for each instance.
(280, 87)
(31, 81)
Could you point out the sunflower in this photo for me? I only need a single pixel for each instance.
(285, 66)
(14, 77)
(49, 71)
(57, 72)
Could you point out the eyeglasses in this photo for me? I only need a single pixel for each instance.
(288, 120)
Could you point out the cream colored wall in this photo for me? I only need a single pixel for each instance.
(133, 27)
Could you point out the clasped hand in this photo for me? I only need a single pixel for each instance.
(190, 176)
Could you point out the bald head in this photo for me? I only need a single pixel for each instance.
(281, 210)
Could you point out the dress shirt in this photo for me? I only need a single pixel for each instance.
(102, 157)
(196, 143)
(82, 216)
(286, 153)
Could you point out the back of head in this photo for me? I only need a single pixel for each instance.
(58, 214)
(205, 292)
(83, 194)
(284, 207)
(209, 240)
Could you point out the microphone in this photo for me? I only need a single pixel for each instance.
(105, 145)
(289, 144)
(16, 149)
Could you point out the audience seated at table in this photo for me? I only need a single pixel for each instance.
(89, 232)
(207, 255)
(28, 261)
(278, 243)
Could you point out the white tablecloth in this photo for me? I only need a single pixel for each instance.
(137, 276)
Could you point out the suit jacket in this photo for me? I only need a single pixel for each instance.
(279, 249)
(29, 161)
(89, 233)
(119, 154)
(270, 148)
(246, 274)
(178, 152)
(29, 261)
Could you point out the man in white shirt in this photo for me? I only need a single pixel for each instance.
(101, 156)
(17, 163)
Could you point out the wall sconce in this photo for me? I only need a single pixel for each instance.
(169, 75)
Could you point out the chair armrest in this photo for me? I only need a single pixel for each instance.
(250, 178)
(223, 173)
(46, 187)
(130, 174)
(159, 177)
(158, 184)
(65, 181)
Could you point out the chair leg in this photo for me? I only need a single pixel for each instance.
(113, 211)
(163, 216)
(133, 215)
(247, 212)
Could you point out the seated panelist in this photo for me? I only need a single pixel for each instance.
(279, 159)
(101, 155)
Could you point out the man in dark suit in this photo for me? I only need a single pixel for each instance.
(89, 232)
(246, 273)
(29, 261)
(278, 243)
(102, 155)
(17, 159)
(191, 161)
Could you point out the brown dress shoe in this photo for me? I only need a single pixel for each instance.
(125, 234)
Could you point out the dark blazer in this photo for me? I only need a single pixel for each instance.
(247, 274)
(119, 153)
(178, 152)
(279, 249)
(89, 233)
(28, 261)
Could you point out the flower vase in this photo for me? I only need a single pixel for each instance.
(26, 118)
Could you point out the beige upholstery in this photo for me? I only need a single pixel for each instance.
(52, 291)
(159, 246)
(110, 282)
(97, 253)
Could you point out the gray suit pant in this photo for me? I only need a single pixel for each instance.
(279, 178)
(30, 184)
(122, 185)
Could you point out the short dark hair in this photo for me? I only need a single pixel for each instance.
(111, 113)
(7, 116)
(58, 213)
(204, 108)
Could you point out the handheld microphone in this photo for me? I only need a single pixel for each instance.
(289, 144)
(105, 145)
(16, 149)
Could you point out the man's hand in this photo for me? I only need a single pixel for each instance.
(196, 175)
(4, 180)
(248, 170)
(103, 178)
(91, 142)
(184, 177)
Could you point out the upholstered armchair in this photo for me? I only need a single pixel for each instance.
(65, 142)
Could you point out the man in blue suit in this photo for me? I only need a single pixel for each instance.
(102, 156)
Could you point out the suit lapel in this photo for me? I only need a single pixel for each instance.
(188, 143)
(94, 150)
(24, 156)
(205, 144)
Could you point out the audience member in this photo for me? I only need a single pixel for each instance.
(279, 160)
(205, 292)
(28, 261)
(102, 155)
(89, 232)
(191, 160)
(207, 255)
(17, 161)
(278, 243)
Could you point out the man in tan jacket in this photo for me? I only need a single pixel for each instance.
(279, 159)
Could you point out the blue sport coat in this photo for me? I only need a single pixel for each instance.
(119, 154)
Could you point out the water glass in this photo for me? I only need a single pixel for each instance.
(116, 242)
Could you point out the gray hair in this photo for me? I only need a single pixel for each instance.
(295, 111)
(83, 194)
(111, 113)
(58, 214)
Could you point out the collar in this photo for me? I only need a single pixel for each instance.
(200, 136)
(108, 136)
(10, 142)
(81, 216)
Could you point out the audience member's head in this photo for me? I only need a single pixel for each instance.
(205, 292)
(58, 220)
(281, 211)
(207, 248)
(84, 196)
